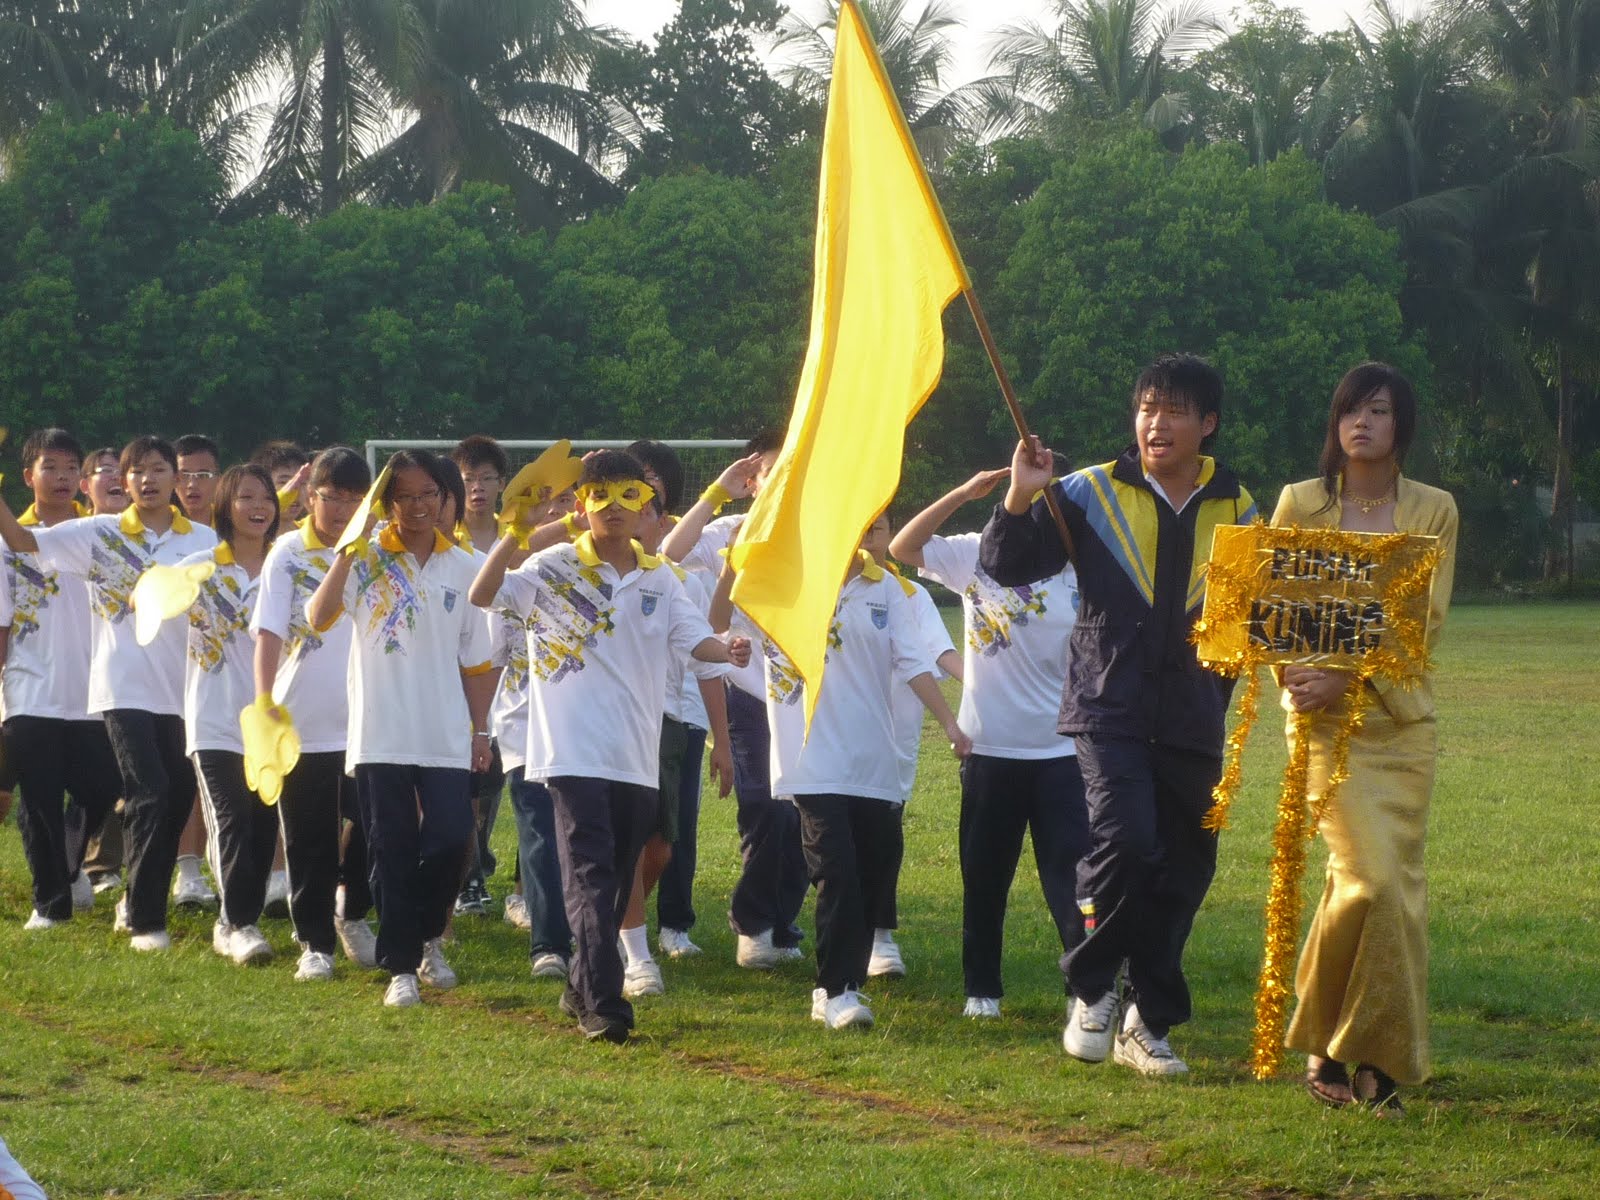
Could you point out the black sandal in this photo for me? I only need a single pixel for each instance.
(1325, 1075)
(1375, 1090)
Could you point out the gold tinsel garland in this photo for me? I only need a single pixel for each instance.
(1227, 603)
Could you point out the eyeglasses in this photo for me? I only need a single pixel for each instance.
(105, 471)
(336, 498)
(421, 499)
(196, 476)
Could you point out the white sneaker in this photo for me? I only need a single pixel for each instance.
(247, 945)
(108, 882)
(119, 922)
(222, 938)
(151, 941)
(1090, 1028)
(277, 901)
(643, 978)
(1147, 1054)
(549, 965)
(885, 960)
(675, 943)
(847, 1009)
(516, 912)
(402, 992)
(39, 921)
(984, 1008)
(757, 953)
(82, 893)
(359, 942)
(819, 1004)
(434, 971)
(193, 893)
(314, 966)
(789, 953)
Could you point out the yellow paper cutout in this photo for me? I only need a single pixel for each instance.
(163, 593)
(373, 502)
(554, 469)
(631, 494)
(271, 747)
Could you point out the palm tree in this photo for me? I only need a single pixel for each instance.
(1103, 58)
(917, 55)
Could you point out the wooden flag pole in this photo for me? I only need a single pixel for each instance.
(1020, 421)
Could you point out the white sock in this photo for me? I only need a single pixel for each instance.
(883, 935)
(636, 942)
(338, 902)
(188, 868)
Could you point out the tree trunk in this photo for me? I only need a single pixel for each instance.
(335, 72)
(1561, 506)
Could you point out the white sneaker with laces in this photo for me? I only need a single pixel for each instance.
(145, 942)
(119, 922)
(222, 938)
(549, 965)
(108, 882)
(402, 993)
(359, 942)
(757, 953)
(1147, 1054)
(790, 953)
(82, 893)
(885, 960)
(434, 971)
(675, 943)
(38, 921)
(193, 892)
(314, 966)
(847, 1009)
(1090, 1028)
(819, 1004)
(643, 978)
(981, 1007)
(247, 944)
(516, 912)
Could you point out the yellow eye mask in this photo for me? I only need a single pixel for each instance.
(632, 494)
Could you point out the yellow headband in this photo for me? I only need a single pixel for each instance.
(632, 494)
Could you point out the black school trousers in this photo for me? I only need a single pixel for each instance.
(243, 835)
(772, 884)
(324, 846)
(849, 844)
(158, 790)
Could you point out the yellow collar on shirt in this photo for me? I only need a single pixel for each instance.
(872, 571)
(131, 524)
(906, 585)
(223, 555)
(313, 542)
(389, 539)
(590, 557)
(30, 515)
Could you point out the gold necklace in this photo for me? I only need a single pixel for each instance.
(1368, 506)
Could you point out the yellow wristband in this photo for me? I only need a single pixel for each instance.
(570, 524)
(716, 495)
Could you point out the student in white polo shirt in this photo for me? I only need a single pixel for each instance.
(1022, 776)
(421, 683)
(906, 712)
(324, 841)
(605, 617)
(137, 689)
(52, 743)
(219, 683)
(844, 776)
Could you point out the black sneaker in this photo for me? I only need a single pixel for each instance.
(570, 1004)
(595, 1027)
(473, 900)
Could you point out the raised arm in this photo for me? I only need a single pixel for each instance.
(1020, 543)
(734, 484)
(17, 536)
(914, 534)
(486, 585)
(327, 602)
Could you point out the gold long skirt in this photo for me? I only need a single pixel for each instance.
(1362, 981)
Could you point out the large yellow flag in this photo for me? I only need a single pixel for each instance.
(886, 267)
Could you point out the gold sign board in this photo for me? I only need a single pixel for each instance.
(1317, 597)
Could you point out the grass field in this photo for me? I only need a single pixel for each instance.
(183, 1076)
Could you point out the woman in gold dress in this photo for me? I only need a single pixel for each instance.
(1362, 980)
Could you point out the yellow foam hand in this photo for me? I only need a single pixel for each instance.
(552, 473)
(518, 517)
(373, 503)
(271, 747)
(163, 593)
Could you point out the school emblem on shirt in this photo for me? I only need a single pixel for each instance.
(450, 595)
(647, 602)
(880, 615)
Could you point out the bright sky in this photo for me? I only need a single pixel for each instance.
(642, 18)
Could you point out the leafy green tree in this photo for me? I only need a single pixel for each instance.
(702, 95)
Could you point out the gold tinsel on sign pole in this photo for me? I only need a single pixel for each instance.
(1257, 574)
